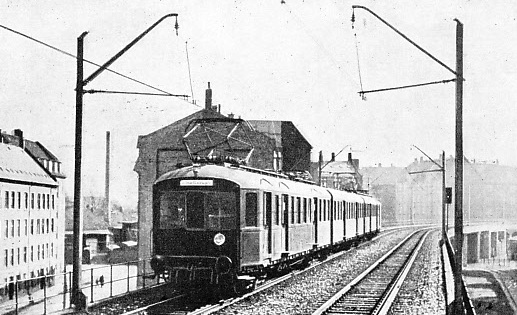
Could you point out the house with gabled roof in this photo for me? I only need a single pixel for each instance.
(32, 220)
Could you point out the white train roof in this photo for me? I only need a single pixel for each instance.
(256, 179)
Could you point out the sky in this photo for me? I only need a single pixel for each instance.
(299, 61)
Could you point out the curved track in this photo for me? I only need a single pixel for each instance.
(374, 290)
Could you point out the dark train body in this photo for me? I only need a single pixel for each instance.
(227, 225)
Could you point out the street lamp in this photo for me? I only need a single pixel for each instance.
(441, 169)
(77, 297)
(458, 178)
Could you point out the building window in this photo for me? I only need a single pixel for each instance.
(42, 251)
(48, 224)
(19, 226)
(6, 228)
(43, 205)
(52, 225)
(48, 201)
(39, 201)
(53, 202)
(6, 254)
(32, 226)
(26, 226)
(18, 256)
(12, 228)
(19, 200)
(39, 252)
(25, 254)
(12, 200)
(26, 200)
(38, 229)
(32, 253)
(51, 249)
(32, 201)
(6, 200)
(12, 256)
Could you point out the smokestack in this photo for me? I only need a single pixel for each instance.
(19, 134)
(208, 98)
(107, 179)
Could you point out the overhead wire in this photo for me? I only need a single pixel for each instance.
(316, 41)
(165, 93)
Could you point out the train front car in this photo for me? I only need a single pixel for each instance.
(195, 229)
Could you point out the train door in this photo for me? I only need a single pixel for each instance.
(332, 208)
(315, 218)
(356, 217)
(285, 215)
(364, 217)
(343, 215)
(269, 220)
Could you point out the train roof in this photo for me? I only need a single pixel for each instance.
(256, 179)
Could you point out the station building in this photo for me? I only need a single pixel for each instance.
(32, 220)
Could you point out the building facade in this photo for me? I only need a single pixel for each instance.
(32, 224)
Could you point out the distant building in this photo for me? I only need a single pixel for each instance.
(32, 225)
(341, 175)
(489, 191)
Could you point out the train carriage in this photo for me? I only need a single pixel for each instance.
(225, 223)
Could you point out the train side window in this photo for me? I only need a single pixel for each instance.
(320, 210)
(324, 210)
(299, 210)
(285, 209)
(277, 210)
(292, 211)
(268, 208)
(304, 210)
(251, 209)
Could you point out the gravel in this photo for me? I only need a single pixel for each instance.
(422, 291)
(304, 293)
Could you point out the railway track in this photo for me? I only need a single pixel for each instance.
(178, 303)
(374, 290)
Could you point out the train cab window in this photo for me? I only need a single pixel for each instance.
(172, 210)
(251, 209)
(195, 210)
(220, 210)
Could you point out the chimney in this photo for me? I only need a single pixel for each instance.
(19, 134)
(208, 98)
(333, 157)
(350, 157)
(421, 159)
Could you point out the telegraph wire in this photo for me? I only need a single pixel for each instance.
(165, 93)
(189, 75)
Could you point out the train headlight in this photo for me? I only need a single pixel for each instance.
(219, 239)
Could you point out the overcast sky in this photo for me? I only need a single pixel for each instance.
(296, 61)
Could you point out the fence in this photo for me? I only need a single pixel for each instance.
(51, 293)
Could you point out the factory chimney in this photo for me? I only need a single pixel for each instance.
(208, 98)
(107, 179)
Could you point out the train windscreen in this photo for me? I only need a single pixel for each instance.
(210, 210)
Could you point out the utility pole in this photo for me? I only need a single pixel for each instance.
(78, 298)
(458, 202)
(458, 178)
